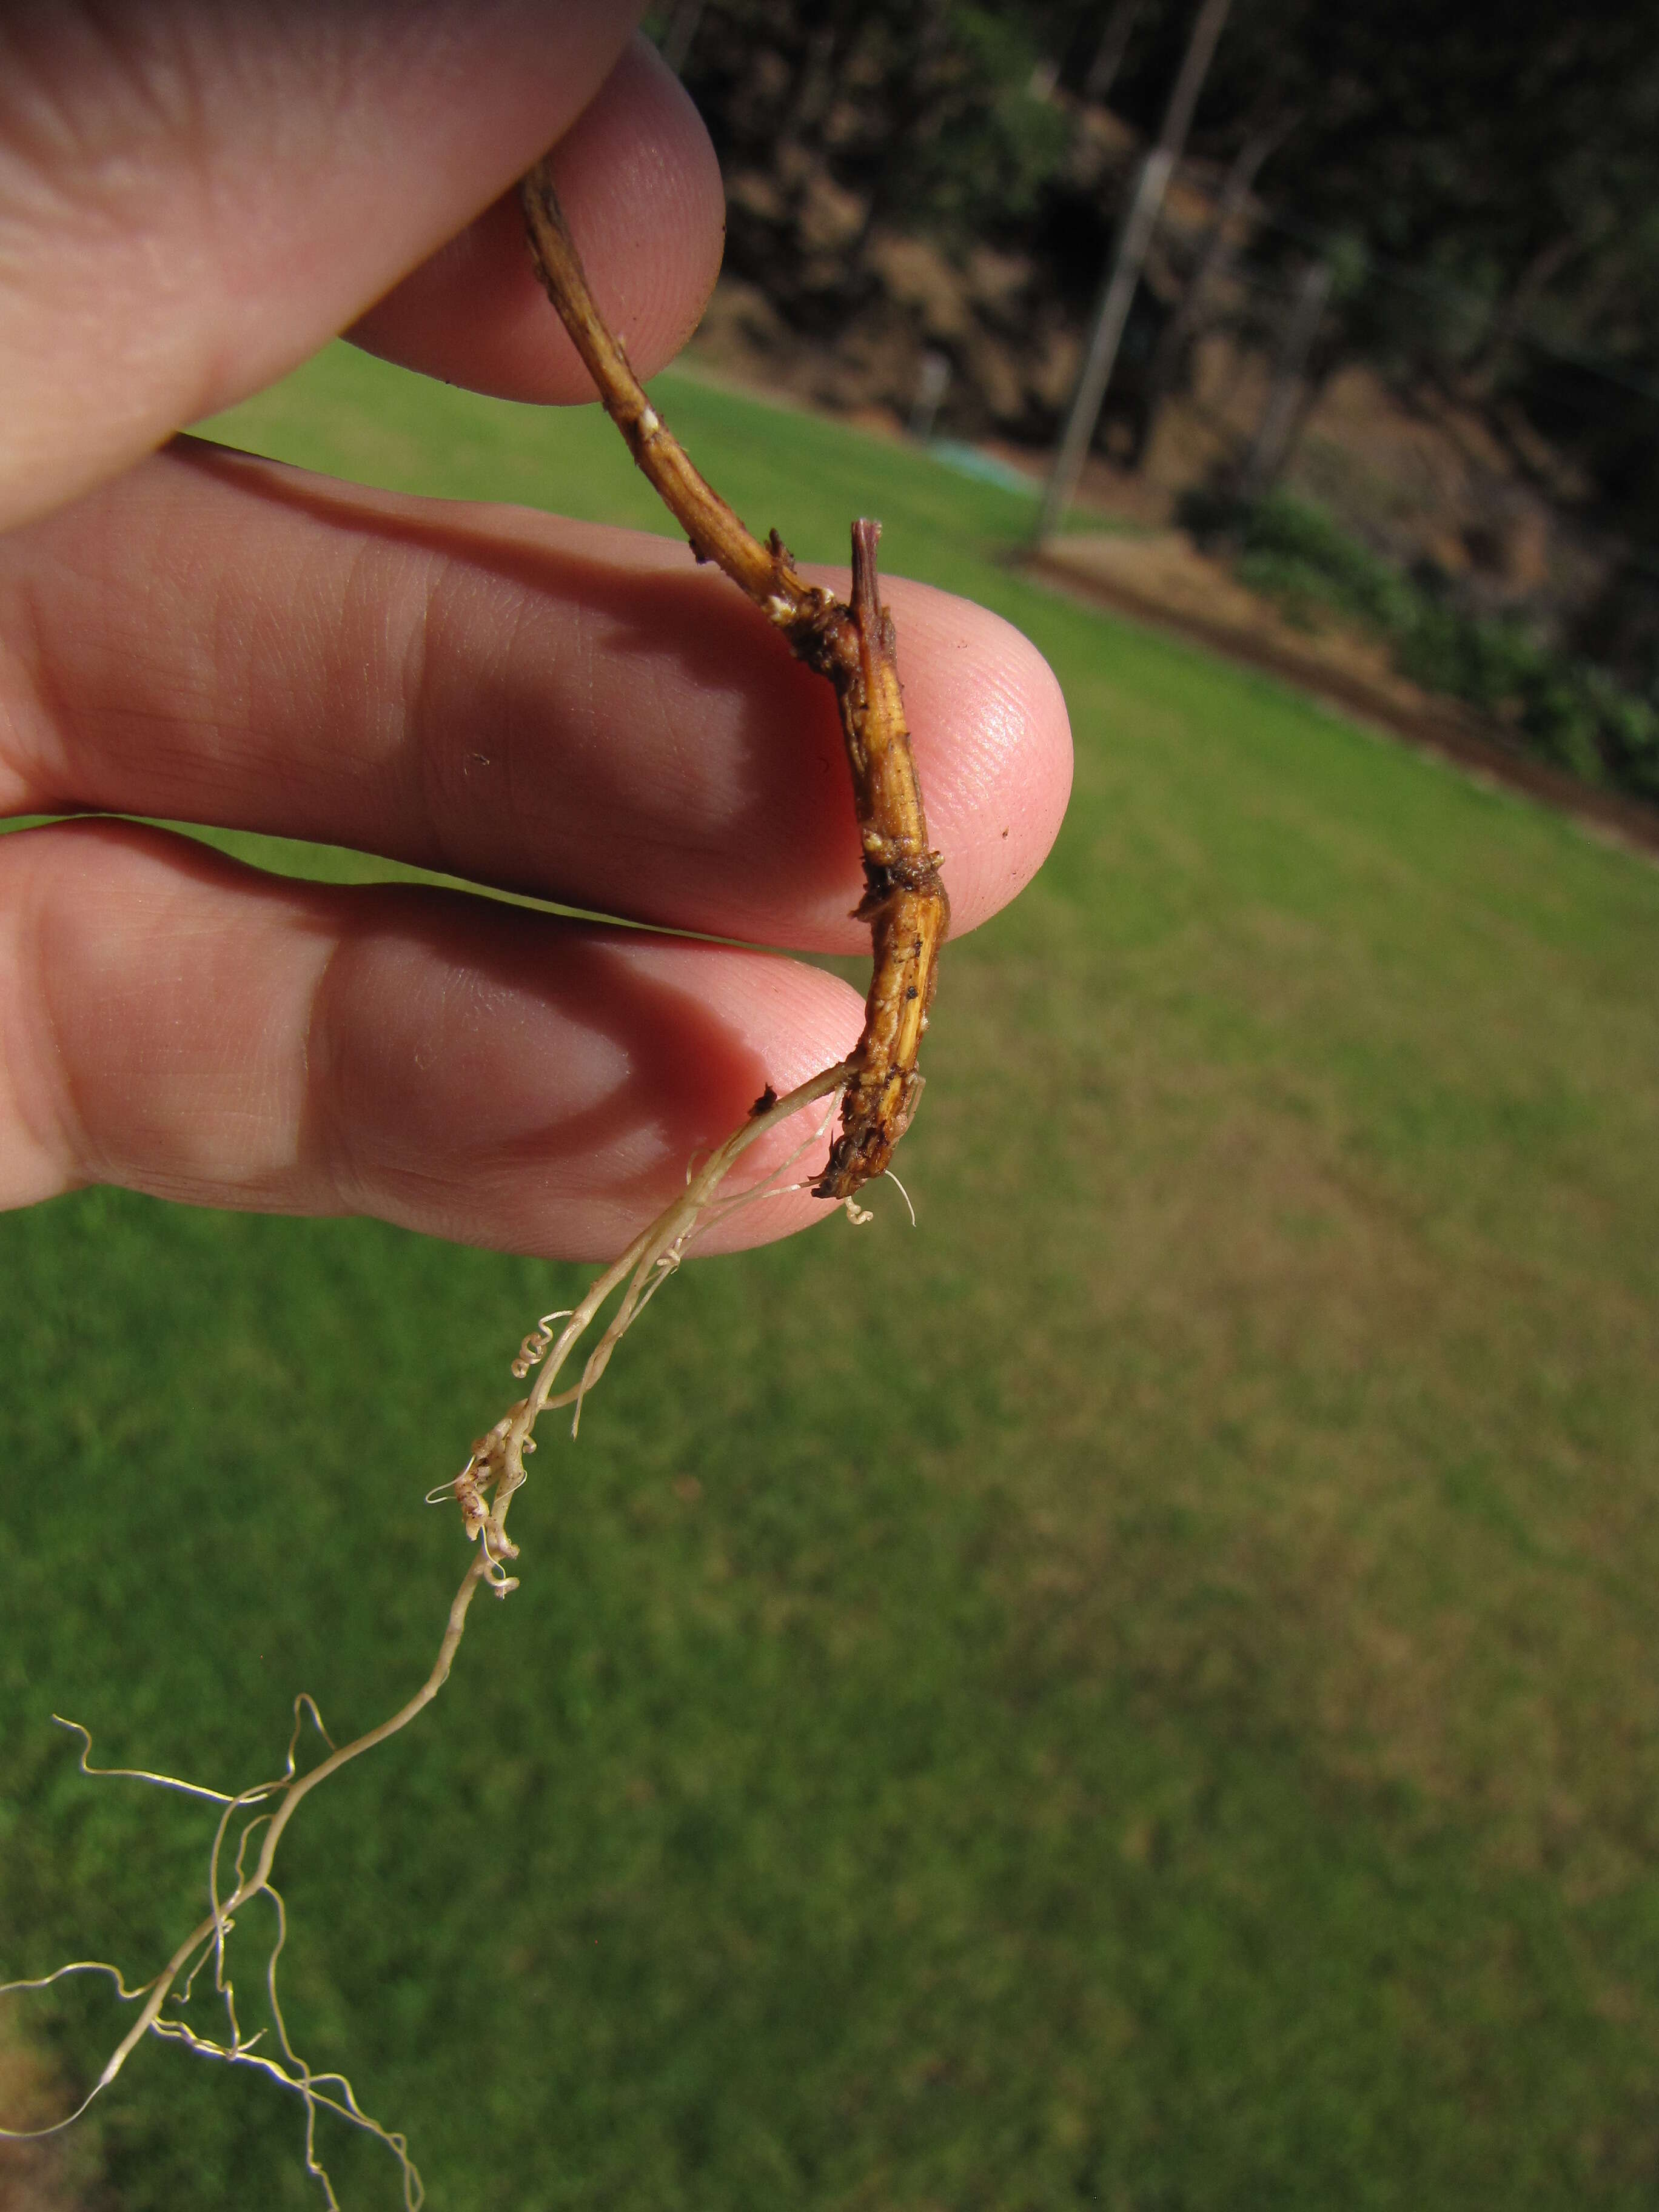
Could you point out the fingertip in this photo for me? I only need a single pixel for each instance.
(992, 741)
(640, 187)
(999, 792)
(792, 1022)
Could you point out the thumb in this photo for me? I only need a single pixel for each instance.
(194, 198)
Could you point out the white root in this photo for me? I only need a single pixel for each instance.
(483, 1490)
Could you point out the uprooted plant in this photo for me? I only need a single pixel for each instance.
(852, 644)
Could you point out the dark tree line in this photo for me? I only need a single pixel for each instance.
(1498, 163)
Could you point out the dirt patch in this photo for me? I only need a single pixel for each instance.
(34, 2176)
(1160, 577)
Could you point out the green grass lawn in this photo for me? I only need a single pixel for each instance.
(1181, 1733)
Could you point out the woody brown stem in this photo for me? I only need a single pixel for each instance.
(855, 647)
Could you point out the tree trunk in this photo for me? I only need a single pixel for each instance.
(1108, 54)
(814, 89)
(1123, 272)
(682, 29)
(1282, 416)
(1507, 323)
(1213, 261)
(917, 120)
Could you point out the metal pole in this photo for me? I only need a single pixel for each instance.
(1123, 271)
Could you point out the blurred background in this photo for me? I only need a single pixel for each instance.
(1390, 346)
(1180, 1729)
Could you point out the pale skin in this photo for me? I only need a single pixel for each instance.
(192, 198)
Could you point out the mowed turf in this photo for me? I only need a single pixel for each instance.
(1162, 1713)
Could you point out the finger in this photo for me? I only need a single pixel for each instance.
(194, 198)
(550, 707)
(641, 188)
(179, 1024)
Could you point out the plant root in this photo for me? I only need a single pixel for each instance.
(484, 1491)
(852, 644)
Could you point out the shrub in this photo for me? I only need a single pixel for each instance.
(1567, 710)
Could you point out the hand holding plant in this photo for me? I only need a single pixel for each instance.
(530, 704)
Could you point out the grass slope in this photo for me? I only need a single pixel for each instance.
(1194, 1748)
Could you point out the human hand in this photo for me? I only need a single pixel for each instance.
(191, 200)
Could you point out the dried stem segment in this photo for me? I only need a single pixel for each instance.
(855, 647)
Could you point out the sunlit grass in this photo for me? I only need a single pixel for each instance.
(1192, 1745)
